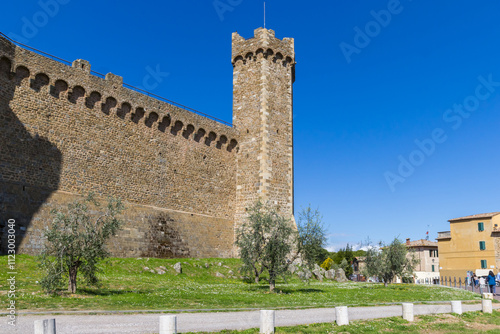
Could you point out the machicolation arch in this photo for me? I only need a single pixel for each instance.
(60, 89)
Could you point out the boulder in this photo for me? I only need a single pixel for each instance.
(330, 274)
(178, 268)
(218, 274)
(160, 271)
(340, 275)
(321, 270)
(162, 268)
(304, 275)
(318, 274)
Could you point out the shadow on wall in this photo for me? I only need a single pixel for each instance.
(30, 165)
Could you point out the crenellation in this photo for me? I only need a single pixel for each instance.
(68, 130)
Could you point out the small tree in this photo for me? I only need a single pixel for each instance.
(268, 242)
(76, 242)
(310, 237)
(265, 243)
(390, 261)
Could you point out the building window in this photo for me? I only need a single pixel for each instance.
(482, 245)
(432, 268)
(484, 264)
(480, 227)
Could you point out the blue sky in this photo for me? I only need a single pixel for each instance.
(396, 103)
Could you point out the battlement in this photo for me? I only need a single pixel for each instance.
(79, 86)
(263, 43)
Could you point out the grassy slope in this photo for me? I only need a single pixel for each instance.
(126, 286)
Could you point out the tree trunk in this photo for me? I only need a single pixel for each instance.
(272, 285)
(72, 279)
(385, 284)
(256, 279)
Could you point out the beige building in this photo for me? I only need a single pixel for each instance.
(471, 244)
(427, 270)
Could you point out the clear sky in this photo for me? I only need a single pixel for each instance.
(396, 103)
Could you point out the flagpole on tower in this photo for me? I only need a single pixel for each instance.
(264, 15)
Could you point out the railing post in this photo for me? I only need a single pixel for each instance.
(450, 281)
(460, 282)
(408, 311)
(45, 326)
(341, 315)
(487, 306)
(267, 321)
(168, 324)
(454, 281)
(456, 307)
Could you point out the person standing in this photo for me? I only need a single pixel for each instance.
(492, 282)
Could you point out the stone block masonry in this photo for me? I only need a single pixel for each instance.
(184, 178)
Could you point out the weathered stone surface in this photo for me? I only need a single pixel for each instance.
(185, 179)
(340, 275)
(330, 274)
(160, 271)
(218, 274)
(318, 275)
(304, 274)
(178, 268)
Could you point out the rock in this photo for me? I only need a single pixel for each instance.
(160, 271)
(145, 268)
(163, 268)
(340, 275)
(292, 268)
(304, 275)
(207, 265)
(230, 272)
(178, 268)
(321, 270)
(219, 264)
(152, 271)
(218, 274)
(330, 274)
(318, 274)
(227, 267)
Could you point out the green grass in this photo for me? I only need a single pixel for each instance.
(471, 322)
(126, 286)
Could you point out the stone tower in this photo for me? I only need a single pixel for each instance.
(264, 71)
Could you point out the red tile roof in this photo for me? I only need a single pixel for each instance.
(478, 216)
(422, 242)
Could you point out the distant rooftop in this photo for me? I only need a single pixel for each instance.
(478, 216)
(420, 243)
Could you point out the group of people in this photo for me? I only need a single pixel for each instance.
(490, 281)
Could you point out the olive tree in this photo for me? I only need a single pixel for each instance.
(269, 242)
(311, 237)
(264, 242)
(76, 242)
(389, 261)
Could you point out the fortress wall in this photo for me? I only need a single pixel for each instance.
(66, 132)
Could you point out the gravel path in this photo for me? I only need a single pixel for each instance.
(191, 322)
